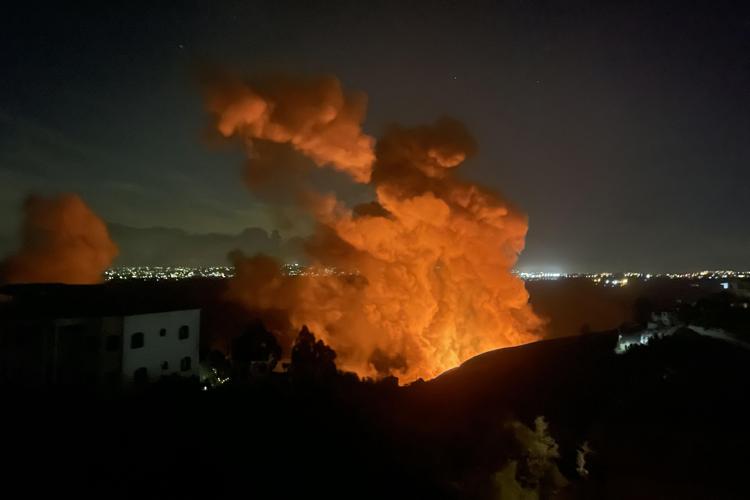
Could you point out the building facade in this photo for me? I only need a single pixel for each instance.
(104, 348)
(158, 344)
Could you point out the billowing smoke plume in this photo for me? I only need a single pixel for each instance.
(315, 116)
(62, 241)
(411, 284)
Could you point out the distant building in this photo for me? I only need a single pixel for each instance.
(625, 340)
(662, 324)
(88, 336)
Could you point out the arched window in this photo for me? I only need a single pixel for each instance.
(184, 332)
(136, 340)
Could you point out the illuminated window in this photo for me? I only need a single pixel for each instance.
(184, 332)
(136, 340)
(185, 363)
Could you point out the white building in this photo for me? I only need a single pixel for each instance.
(160, 344)
(96, 343)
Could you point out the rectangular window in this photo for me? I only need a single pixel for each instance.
(184, 332)
(185, 363)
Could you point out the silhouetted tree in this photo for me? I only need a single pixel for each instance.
(216, 360)
(311, 358)
(255, 345)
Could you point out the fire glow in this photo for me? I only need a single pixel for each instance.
(433, 253)
(62, 241)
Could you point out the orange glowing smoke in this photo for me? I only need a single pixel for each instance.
(62, 241)
(313, 115)
(426, 278)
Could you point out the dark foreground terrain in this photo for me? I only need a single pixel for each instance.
(663, 421)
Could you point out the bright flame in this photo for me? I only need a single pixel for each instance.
(428, 280)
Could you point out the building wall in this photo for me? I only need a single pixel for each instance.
(160, 350)
(77, 351)
(111, 349)
(27, 352)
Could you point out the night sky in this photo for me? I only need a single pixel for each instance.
(621, 129)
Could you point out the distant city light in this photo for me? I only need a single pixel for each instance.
(159, 273)
(173, 273)
(622, 279)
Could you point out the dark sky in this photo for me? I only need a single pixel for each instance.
(622, 129)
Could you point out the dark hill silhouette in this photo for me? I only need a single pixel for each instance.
(655, 416)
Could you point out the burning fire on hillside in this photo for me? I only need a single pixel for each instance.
(433, 253)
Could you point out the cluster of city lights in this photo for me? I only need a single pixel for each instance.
(612, 279)
(539, 276)
(607, 279)
(159, 273)
(622, 279)
(695, 275)
(300, 270)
